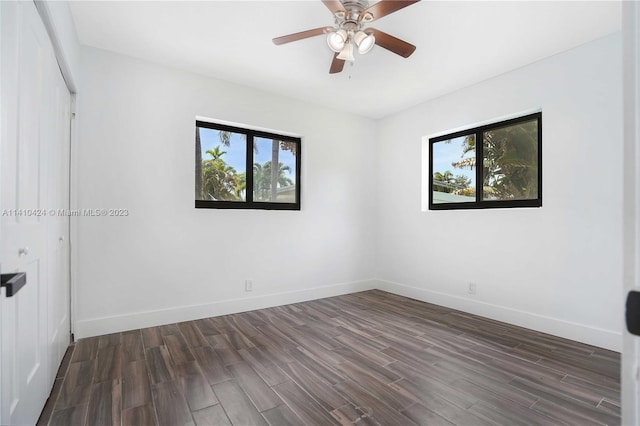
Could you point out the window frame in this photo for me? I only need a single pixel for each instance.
(249, 203)
(479, 131)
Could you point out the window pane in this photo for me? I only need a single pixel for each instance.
(222, 159)
(510, 169)
(274, 171)
(454, 175)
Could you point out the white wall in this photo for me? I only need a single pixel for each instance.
(168, 261)
(557, 268)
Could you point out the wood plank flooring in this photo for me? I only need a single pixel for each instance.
(370, 358)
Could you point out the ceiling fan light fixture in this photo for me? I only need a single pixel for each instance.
(367, 17)
(347, 53)
(350, 30)
(364, 41)
(336, 40)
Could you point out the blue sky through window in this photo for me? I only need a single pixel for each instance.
(450, 151)
(285, 157)
(236, 155)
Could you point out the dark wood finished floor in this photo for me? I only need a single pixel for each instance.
(370, 358)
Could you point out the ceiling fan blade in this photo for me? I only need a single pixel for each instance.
(386, 7)
(301, 35)
(393, 44)
(335, 6)
(337, 65)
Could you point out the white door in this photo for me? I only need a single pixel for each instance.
(30, 319)
(631, 343)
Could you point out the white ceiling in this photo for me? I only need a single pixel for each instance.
(459, 43)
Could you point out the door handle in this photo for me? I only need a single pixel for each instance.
(633, 312)
(13, 282)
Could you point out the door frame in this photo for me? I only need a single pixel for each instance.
(631, 209)
(1, 295)
(46, 15)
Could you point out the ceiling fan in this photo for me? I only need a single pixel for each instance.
(350, 30)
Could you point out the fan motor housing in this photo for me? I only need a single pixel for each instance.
(354, 9)
(360, 4)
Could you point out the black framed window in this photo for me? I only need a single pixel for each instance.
(239, 168)
(510, 155)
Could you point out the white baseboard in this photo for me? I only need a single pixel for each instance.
(569, 330)
(114, 324)
(591, 335)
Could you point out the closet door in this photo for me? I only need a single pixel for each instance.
(30, 95)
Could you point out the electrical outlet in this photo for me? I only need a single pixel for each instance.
(472, 288)
(248, 285)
